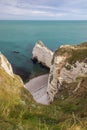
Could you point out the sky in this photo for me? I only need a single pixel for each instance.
(43, 9)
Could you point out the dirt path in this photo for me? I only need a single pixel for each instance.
(37, 87)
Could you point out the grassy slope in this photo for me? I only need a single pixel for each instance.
(18, 111)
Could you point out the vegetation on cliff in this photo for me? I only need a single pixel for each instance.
(74, 53)
(18, 111)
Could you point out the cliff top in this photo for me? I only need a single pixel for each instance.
(72, 52)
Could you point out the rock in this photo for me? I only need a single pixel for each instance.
(63, 70)
(42, 54)
(55, 80)
(16, 52)
(77, 71)
(4, 63)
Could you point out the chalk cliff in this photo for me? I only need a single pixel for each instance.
(42, 54)
(4, 63)
(68, 63)
(6, 72)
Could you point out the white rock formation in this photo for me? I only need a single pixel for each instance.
(42, 54)
(55, 80)
(61, 70)
(4, 63)
(59, 73)
(77, 70)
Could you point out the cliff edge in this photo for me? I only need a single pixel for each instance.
(69, 62)
(11, 88)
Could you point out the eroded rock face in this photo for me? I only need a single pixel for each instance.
(69, 73)
(4, 63)
(42, 54)
(55, 79)
(63, 71)
(59, 73)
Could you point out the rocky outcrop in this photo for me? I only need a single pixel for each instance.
(42, 54)
(68, 63)
(55, 79)
(69, 73)
(59, 73)
(4, 63)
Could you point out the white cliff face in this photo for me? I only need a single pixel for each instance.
(61, 71)
(79, 69)
(4, 63)
(42, 54)
(55, 80)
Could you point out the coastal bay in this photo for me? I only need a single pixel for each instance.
(52, 98)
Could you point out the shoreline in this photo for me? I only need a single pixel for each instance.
(38, 88)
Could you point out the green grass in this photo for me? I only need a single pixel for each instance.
(78, 53)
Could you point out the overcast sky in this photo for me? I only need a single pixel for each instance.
(43, 9)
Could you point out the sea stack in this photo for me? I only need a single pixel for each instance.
(42, 54)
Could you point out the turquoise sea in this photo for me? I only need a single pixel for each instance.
(17, 39)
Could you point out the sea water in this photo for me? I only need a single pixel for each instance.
(17, 39)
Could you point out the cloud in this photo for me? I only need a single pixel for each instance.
(7, 9)
(9, 2)
(43, 9)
